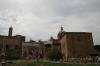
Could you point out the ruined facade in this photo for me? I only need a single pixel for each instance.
(32, 50)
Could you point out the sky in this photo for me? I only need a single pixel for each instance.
(41, 19)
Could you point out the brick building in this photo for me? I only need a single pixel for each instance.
(71, 44)
(76, 44)
(10, 46)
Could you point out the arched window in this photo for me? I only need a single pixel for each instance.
(16, 46)
(7, 46)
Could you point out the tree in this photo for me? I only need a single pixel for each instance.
(55, 55)
(97, 48)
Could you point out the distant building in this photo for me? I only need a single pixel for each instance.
(55, 44)
(71, 44)
(10, 46)
(76, 44)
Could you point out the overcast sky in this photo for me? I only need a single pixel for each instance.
(41, 19)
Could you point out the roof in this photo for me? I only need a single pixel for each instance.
(78, 32)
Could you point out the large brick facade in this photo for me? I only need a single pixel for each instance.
(76, 44)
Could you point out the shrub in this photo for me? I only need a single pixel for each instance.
(55, 55)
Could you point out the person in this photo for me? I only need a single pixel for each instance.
(98, 60)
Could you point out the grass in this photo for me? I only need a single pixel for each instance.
(53, 64)
(45, 63)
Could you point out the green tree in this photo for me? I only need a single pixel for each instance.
(97, 48)
(55, 55)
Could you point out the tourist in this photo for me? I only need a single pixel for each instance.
(98, 60)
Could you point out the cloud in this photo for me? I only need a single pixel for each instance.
(40, 19)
